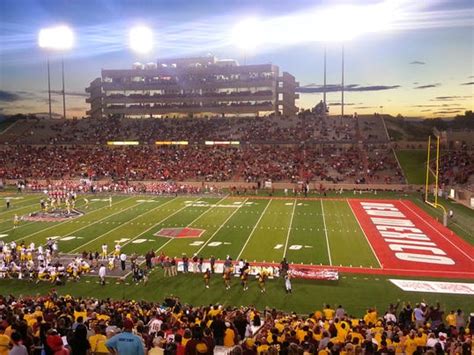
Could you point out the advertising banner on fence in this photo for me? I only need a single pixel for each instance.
(458, 288)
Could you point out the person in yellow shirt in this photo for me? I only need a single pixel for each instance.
(97, 341)
(371, 316)
(4, 342)
(229, 336)
(262, 347)
(80, 312)
(421, 339)
(328, 312)
(301, 333)
(342, 331)
(410, 344)
(451, 319)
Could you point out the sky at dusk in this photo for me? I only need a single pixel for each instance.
(410, 57)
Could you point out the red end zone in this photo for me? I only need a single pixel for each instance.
(408, 241)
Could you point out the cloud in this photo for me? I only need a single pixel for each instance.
(451, 98)
(350, 87)
(9, 96)
(365, 107)
(427, 86)
(445, 112)
(416, 83)
(69, 93)
(339, 104)
(468, 83)
(418, 62)
(46, 114)
(436, 105)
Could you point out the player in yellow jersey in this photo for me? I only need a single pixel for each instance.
(16, 221)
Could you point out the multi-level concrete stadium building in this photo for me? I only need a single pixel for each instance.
(192, 86)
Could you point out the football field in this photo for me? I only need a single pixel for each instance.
(339, 233)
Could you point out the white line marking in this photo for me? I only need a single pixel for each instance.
(58, 224)
(121, 225)
(169, 240)
(254, 229)
(289, 229)
(437, 231)
(326, 233)
(221, 226)
(365, 235)
(156, 224)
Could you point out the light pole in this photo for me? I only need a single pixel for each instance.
(64, 91)
(57, 38)
(324, 86)
(342, 83)
(49, 91)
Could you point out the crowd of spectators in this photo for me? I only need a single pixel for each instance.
(249, 163)
(305, 127)
(55, 324)
(456, 167)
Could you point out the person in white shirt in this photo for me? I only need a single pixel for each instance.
(102, 273)
(123, 258)
(155, 325)
(390, 317)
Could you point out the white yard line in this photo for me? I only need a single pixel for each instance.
(164, 219)
(171, 239)
(88, 225)
(15, 209)
(153, 226)
(289, 230)
(365, 235)
(326, 233)
(120, 225)
(253, 230)
(222, 225)
(28, 223)
(437, 231)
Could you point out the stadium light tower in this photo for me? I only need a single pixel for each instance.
(140, 39)
(57, 38)
(247, 35)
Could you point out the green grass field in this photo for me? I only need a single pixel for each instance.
(413, 163)
(304, 231)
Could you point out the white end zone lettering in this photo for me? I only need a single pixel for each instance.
(423, 258)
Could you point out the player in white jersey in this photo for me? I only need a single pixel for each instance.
(110, 201)
(86, 202)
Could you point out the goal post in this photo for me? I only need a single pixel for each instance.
(434, 204)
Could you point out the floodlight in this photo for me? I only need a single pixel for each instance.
(248, 34)
(141, 39)
(56, 38)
